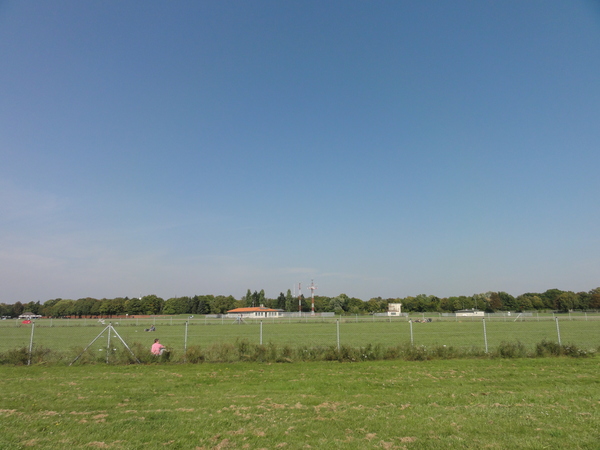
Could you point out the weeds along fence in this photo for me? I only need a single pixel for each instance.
(71, 336)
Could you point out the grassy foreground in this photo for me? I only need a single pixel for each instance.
(470, 403)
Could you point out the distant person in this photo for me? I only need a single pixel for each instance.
(157, 348)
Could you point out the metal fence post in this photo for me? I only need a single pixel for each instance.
(411, 333)
(108, 343)
(557, 330)
(31, 343)
(185, 340)
(338, 334)
(261, 332)
(485, 336)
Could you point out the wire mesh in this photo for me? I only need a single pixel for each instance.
(71, 335)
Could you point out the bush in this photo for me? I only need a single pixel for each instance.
(242, 350)
(194, 355)
(547, 348)
(418, 353)
(286, 355)
(392, 353)
(512, 350)
(17, 357)
(20, 356)
(259, 354)
(371, 353)
(575, 352)
(222, 353)
(444, 352)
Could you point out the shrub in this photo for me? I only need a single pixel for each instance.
(142, 353)
(259, 354)
(444, 352)
(511, 350)
(547, 348)
(243, 348)
(17, 357)
(371, 353)
(286, 355)
(224, 352)
(416, 353)
(39, 355)
(194, 355)
(392, 353)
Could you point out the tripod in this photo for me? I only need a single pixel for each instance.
(110, 328)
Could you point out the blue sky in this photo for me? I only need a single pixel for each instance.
(385, 148)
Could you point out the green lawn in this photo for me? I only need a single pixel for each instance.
(470, 403)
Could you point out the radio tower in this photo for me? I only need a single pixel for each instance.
(312, 297)
(300, 298)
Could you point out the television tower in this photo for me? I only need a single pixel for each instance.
(312, 297)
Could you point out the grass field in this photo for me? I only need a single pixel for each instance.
(472, 403)
(73, 335)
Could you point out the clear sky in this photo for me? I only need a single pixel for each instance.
(381, 148)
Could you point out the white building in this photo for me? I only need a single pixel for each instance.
(394, 309)
(469, 313)
(257, 312)
(29, 316)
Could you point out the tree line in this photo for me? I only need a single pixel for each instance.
(552, 299)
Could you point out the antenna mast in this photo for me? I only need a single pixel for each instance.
(312, 297)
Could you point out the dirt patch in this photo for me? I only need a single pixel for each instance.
(98, 444)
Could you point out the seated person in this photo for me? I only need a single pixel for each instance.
(157, 348)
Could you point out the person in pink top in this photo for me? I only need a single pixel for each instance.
(157, 348)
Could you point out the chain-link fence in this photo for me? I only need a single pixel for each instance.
(72, 336)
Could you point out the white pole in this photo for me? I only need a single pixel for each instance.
(185, 340)
(261, 332)
(338, 334)
(411, 333)
(557, 330)
(108, 343)
(31, 343)
(485, 336)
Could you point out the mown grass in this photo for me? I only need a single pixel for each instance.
(470, 403)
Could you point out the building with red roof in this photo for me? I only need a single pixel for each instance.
(254, 312)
